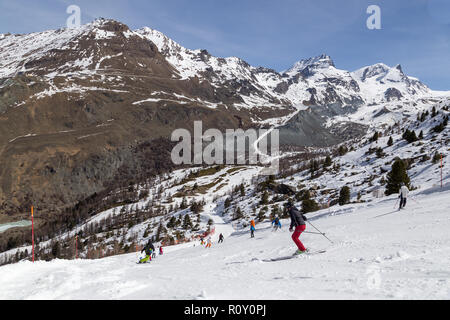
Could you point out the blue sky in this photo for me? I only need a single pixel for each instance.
(274, 34)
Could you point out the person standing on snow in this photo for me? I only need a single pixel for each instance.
(403, 194)
(276, 223)
(252, 229)
(208, 243)
(297, 222)
(220, 238)
(149, 248)
(160, 250)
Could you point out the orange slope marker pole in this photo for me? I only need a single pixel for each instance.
(32, 231)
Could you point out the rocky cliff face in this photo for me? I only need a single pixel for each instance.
(76, 104)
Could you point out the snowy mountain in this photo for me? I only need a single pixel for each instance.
(86, 114)
(380, 82)
(314, 81)
(374, 251)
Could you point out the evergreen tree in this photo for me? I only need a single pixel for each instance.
(342, 150)
(308, 204)
(410, 136)
(160, 232)
(344, 195)
(227, 202)
(261, 215)
(423, 116)
(242, 190)
(275, 212)
(238, 214)
(187, 223)
(183, 204)
(390, 141)
(436, 158)
(313, 167)
(265, 198)
(327, 162)
(374, 137)
(380, 153)
(196, 207)
(56, 250)
(396, 176)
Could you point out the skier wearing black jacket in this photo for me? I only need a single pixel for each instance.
(149, 248)
(297, 222)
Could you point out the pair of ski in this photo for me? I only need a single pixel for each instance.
(311, 253)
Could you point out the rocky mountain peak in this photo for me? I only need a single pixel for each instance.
(322, 61)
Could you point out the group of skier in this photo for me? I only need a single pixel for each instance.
(298, 220)
(208, 241)
(297, 227)
(150, 252)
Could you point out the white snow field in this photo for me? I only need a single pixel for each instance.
(378, 253)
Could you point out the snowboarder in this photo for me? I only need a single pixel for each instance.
(208, 244)
(220, 238)
(297, 221)
(276, 224)
(252, 228)
(160, 250)
(403, 194)
(149, 248)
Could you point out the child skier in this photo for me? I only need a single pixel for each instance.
(276, 224)
(160, 250)
(297, 221)
(149, 248)
(220, 238)
(252, 228)
(208, 244)
(403, 194)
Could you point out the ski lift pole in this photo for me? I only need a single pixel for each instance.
(319, 231)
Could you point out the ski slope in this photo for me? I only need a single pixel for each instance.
(378, 253)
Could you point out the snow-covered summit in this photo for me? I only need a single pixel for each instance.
(314, 81)
(322, 61)
(380, 82)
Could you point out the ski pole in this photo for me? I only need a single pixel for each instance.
(312, 232)
(320, 232)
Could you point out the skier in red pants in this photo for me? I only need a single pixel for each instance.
(297, 221)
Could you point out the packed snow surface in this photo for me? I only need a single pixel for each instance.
(378, 253)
